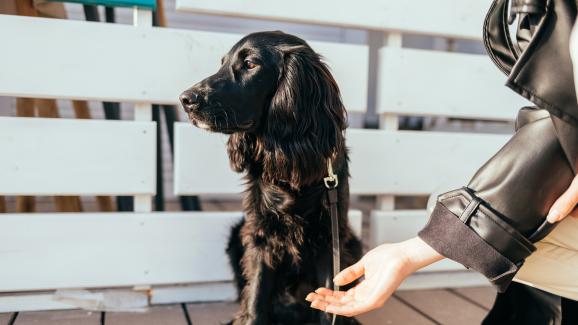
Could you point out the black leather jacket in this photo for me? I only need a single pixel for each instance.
(491, 224)
(538, 65)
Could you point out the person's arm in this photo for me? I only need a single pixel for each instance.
(384, 267)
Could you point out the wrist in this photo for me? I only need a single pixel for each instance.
(418, 254)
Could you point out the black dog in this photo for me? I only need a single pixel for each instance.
(283, 111)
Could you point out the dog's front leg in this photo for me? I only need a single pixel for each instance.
(257, 296)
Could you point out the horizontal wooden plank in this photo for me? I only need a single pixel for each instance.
(416, 163)
(5, 318)
(159, 295)
(159, 315)
(400, 225)
(445, 279)
(71, 317)
(17, 302)
(103, 250)
(212, 314)
(382, 162)
(201, 163)
(453, 18)
(197, 292)
(64, 157)
(88, 67)
(418, 82)
(484, 296)
(107, 250)
(394, 312)
(435, 303)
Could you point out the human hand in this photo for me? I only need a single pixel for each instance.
(384, 267)
(566, 204)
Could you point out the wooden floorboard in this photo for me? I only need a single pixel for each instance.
(160, 315)
(69, 317)
(212, 314)
(394, 312)
(482, 295)
(4, 318)
(443, 306)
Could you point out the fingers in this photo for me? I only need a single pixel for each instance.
(333, 299)
(565, 203)
(345, 305)
(342, 303)
(349, 274)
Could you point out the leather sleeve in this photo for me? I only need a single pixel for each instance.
(490, 224)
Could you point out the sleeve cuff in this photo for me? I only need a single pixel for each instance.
(467, 238)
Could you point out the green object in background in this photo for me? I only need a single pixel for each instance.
(148, 4)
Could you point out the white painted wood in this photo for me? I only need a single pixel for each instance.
(355, 218)
(438, 280)
(143, 112)
(101, 250)
(416, 162)
(419, 82)
(201, 163)
(199, 292)
(143, 203)
(196, 292)
(456, 18)
(30, 302)
(401, 162)
(67, 157)
(400, 225)
(106, 250)
(142, 17)
(187, 57)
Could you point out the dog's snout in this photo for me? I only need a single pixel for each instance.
(189, 99)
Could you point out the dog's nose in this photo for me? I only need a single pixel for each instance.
(189, 99)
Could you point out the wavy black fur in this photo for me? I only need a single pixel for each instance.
(283, 111)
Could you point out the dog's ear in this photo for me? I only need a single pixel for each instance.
(240, 148)
(305, 122)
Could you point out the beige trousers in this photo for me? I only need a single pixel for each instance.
(554, 266)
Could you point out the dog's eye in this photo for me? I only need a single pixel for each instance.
(248, 64)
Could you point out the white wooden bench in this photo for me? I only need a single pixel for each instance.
(43, 252)
(180, 256)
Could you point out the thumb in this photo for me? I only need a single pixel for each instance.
(565, 203)
(349, 274)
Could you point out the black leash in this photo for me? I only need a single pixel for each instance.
(331, 183)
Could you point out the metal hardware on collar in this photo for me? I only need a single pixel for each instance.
(331, 180)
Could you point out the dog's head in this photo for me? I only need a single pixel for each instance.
(278, 101)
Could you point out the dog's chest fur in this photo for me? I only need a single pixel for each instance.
(285, 224)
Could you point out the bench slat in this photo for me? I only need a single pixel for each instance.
(403, 163)
(452, 18)
(418, 82)
(120, 63)
(416, 162)
(76, 157)
(89, 250)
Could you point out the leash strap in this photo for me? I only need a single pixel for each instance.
(332, 194)
(331, 182)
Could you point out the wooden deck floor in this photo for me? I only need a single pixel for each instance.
(419, 307)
